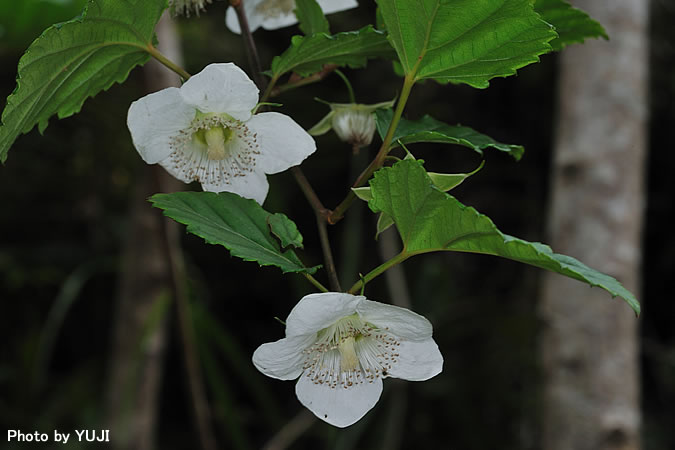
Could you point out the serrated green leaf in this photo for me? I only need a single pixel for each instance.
(308, 54)
(465, 41)
(572, 25)
(226, 219)
(285, 229)
(428, 129)
(75, 60)
(430, 220)
(311, 17)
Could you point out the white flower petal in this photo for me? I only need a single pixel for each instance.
(417, 361)
(315, 312)
(282, 359)
(280, 21)
(401, 322)
(221, 88)
(253, 185)
(283, 143)
(332, 6)
(254, 20)
(338, 406)
(155, 119)
(232, 22)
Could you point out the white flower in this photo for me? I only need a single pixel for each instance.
(352, 122)
(204, 131)
(342, 346)
(273, 14)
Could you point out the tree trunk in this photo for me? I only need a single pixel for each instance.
(138, 344)
(589, 345)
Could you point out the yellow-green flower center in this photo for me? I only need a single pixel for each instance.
(351, 351)
(216, 140)
(214, 149)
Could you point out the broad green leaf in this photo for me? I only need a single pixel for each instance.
(430, 220)
(442, 181)
(572, 25)
(465, 41)
(308, 54)
(428, 129)
(238, 224)
(285, 230)
(75, 60)
(311, 18)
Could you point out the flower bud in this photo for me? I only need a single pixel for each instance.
(353, 123)
(354, 126)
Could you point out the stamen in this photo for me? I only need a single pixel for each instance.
(350, 352)
(214, 150)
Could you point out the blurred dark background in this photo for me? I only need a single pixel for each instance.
(65, 218)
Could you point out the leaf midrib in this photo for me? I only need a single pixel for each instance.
(219, 226)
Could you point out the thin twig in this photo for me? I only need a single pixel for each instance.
(307, 189)
(321, 214)
(200, 405)
(296, 82)
(249, 44)
(155, 53)
(327, 253)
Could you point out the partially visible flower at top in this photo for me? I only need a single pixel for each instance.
(184, 7)
(352, 122)
(274, 14)
(204, 131)
(342, 346)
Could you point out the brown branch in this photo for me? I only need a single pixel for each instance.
(321, 214)
(296, 81)
(249, 44)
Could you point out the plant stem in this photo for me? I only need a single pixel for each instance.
(321, 214)
(327, 253)
(167, 62)
(249, 44)
(299, 82)
(339, 210)
(315, 282)
(270, 87)
(352, 98)
(379, 270)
